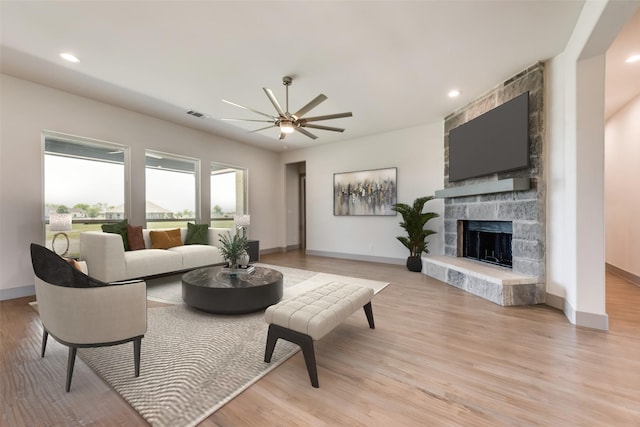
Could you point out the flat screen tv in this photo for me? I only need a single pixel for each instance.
(496, 141)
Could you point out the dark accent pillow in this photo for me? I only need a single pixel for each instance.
(165, 239)
(54, 269)
(118, 228)
(134, 237)
(197, 234)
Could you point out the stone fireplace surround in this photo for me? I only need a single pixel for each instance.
(517, 196)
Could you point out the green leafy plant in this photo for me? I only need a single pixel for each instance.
(413, 221)
(233, 247)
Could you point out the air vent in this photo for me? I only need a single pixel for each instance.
(195, 113)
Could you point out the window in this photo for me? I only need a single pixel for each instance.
(171, 189)
(85, 178)
(228, 194)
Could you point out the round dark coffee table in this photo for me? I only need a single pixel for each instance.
(212, 290)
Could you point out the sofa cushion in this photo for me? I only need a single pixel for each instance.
(150, 262)
(198, 255)
(118, 228)
(197, 234)
(134, 237)
(165, 239)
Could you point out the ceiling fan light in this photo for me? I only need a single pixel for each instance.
(286, 127)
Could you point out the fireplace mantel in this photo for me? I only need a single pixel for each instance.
(499, 186)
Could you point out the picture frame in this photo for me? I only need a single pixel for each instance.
(370, 192)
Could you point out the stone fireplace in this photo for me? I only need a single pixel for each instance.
(495, 225)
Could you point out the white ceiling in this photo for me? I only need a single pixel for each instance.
(389, 62)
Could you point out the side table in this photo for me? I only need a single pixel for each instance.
(253, 248)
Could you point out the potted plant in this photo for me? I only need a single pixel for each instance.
(413, 221)
(233, 248)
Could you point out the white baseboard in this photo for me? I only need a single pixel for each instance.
(624, 274)
(578, 318)
(20, 292)
(592, 320)
(357, 257)
(554, 301)
(272, 251)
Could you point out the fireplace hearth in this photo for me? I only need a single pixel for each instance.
(488, 241)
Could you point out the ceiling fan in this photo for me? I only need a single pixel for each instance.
(287, 122)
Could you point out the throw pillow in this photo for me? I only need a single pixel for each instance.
(134, 237)
(165, 239)
(75, 264)
(197, 234)
(118, 228)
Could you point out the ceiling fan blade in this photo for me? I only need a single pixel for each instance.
(309, 125)
(274, 101)
(327, 117)
(306, 133)
(311, 105)
(258, 130)
(247, 120)
(247, 108)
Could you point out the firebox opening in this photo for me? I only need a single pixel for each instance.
(488, 241)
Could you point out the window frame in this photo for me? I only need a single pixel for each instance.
(48, 135)
(219, 168)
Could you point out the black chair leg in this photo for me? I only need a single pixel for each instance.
(70, 363)
(369, 312)
(45, 335)
(136, 354)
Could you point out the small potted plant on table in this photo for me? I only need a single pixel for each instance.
(413, 221)
(233, 248)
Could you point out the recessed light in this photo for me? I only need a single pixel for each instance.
(453, 93)
(632, 58)
(69, 57)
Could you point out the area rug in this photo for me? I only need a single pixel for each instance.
(192, 362)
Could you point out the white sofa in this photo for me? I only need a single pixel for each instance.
(108, 261)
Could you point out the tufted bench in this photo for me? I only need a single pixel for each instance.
(310, 316)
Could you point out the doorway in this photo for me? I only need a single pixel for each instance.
(303, 211)
(296, 205)
(622, 205)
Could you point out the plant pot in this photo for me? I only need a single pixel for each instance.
(243, 260)
(414, 263)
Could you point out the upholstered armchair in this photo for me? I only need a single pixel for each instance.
(79, 311)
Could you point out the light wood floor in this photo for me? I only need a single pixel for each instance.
(438, 357)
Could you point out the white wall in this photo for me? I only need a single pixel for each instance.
(575, 125)
(622, 188)
(417, 152)
(27, 109)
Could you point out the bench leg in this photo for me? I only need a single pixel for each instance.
(303, 340)
(271, 343)
(369, 312)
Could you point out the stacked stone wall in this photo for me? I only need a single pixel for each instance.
(525, 208)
